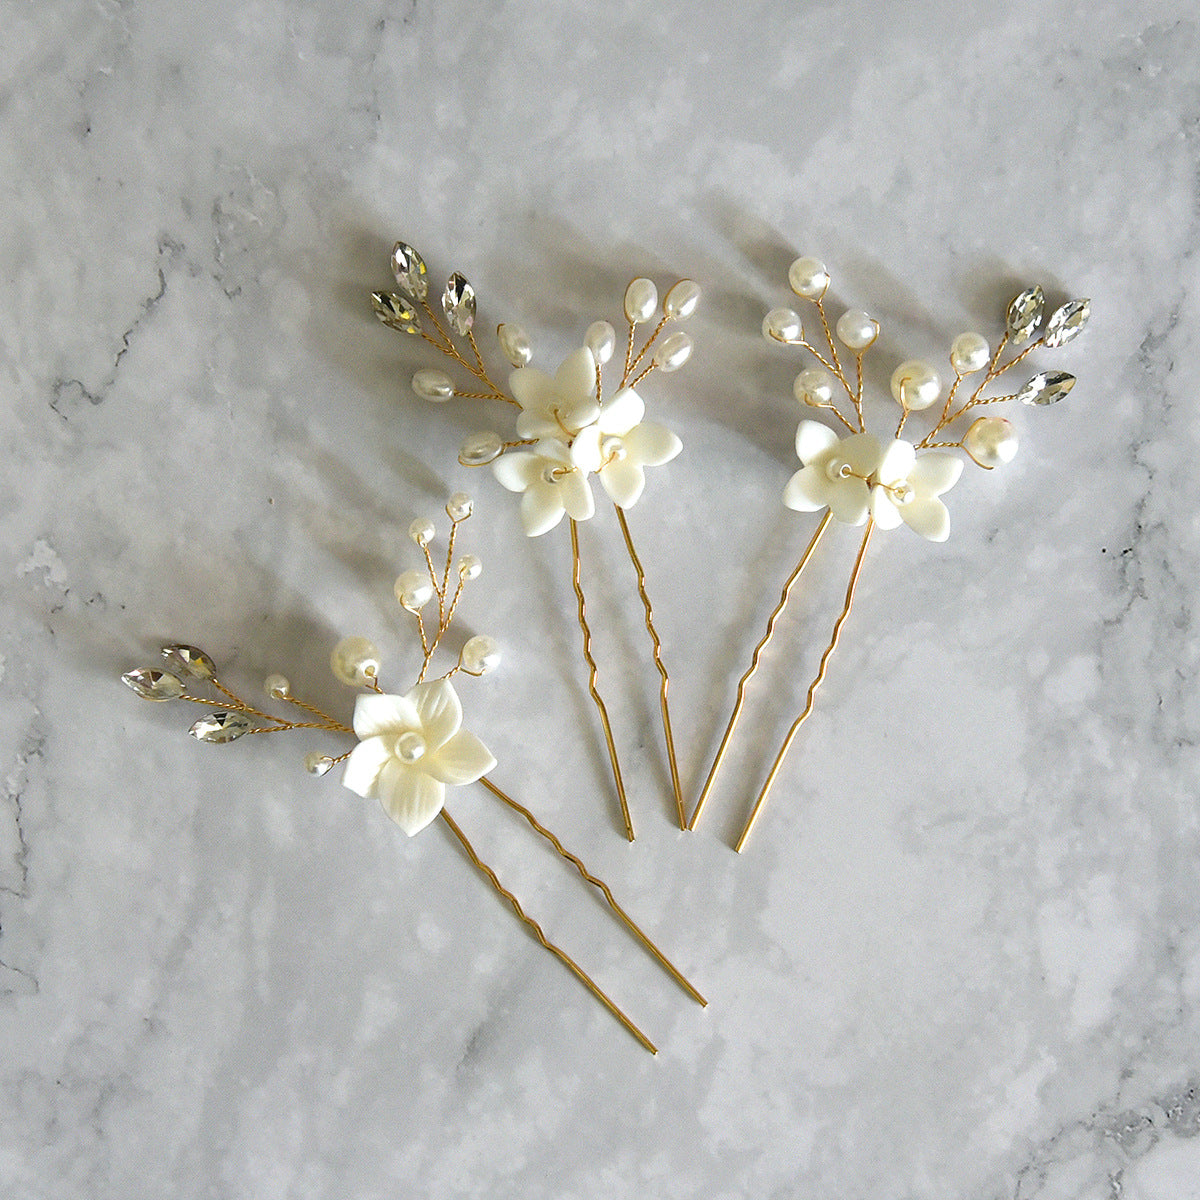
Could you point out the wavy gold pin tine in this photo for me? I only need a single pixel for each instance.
(668, 734)
(621, 914)
(812, 691)
(538, 932)
(745, 679)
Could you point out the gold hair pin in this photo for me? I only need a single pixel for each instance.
(411, 747)
(566, 431)
(853, 478)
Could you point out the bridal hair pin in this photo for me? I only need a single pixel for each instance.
(859, 481)
(566, 430)
(410, 747)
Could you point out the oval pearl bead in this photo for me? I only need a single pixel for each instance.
(782, 325)
(316, 763)
(414, 590)
(514, 344)
(469, 567)
(915, 385)
(355, 661)
(641, 300)
(673, 352)
(433, 385)
(991, 442)
(479, 449)
(814, 386)
(277, 687)
(601, 340)
(969, 352)
(681, 300)
(480, 655)
(856, 329)
(808, 278)
(460, 506)
(409, 746)
(421, 531)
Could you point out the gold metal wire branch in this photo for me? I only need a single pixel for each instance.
(539, 933)
(812, 691)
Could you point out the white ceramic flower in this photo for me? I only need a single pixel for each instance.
(560, 407)
(620, 444)
(552, 481)
(409, 748)
(835, 474)
(907, 488)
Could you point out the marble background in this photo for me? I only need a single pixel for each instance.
(961, 955)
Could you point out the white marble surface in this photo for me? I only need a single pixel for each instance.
(961, 956)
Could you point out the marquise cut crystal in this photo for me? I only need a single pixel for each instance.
(458, 303)
(189, 660)
(1024, 314)
(1067, 322)
(409, 268)
(395, 312)
(220, 727)
(153, 684)
(1047, 387)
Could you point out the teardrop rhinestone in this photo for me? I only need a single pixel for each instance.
(514, 344)
(189, 660)
(409, 268)
(1047, 387)
(1024, 314)
(458, 303)
(153, 684)
(221, 727)
(395, 312)
(1067, 322)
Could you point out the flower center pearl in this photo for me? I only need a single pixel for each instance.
(901, 493)
(613, 450)
(553, 474)
(409, 746)
(838, 469)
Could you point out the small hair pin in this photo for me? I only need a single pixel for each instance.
(411, 747)
(566, 431)
(850, 476)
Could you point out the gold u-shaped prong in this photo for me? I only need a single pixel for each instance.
(593, 671)
(622, 915)
(745, 679)
(672, 761)
(812, 690)
(538, 932)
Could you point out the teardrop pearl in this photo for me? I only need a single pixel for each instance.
(856, 329)
(782, 325)
(641, 300)
(991, 442)
(915, 385)
(514, 344)
(601, 340)
(808, 278)
(674, 352)
(433, 385)
(680, 302)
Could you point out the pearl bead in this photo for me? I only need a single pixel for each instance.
(480, 448)
(480, 655)
(814, 386)
(857, 329)
(469, 567)
(409, 746)
(901, 493)
(836, 469)
(681, 300)
(641, 300)
(277, 687)
(613, 450)
(459, 507)
(316, 763)
(601, 340)
(808, 278)
(433, 385)
(421, 531)
(915, 385)
(969, 352)
(355, 661)
(674, 352)
(991, 442)
(414, 590)
(782, 325)
(514, 344)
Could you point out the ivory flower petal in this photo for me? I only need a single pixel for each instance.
(552, 484)
(907, 487)
(558, 407)
(462, 759)
(620, 444)
(835, 473)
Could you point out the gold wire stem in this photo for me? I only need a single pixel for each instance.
(424, 637)
(628, 356)
(858, 391)
(820, 303)
(648, 343)
(538, 932)
(758, 651)
(593, 672)
(642, 374)
(332, 722)
(812, 690)
(622, 915)
(668, 734)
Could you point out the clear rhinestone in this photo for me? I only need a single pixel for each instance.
(395, 312)
(1024, 314)
(190, 661)
(409, 268)
(1067, 322)
(458, 303)
(221, 727)
(153, 684)
(1048, 387)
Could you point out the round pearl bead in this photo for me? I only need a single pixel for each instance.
(480, 448)
(681, 300)
(673, 353)
(414, 590)
(814, 386)
(613, 450)
(480, 655)
(469, 567)
(433, 385)
(991, 441)
(316, 763)
(601, 340)
(355, 661)
(459, 507)
(421, 531)
(856, 329)
(915, 385)
(514, 344)
(409, 746)
(969, 352)
(641, 300)
(782, 325)
(277, 687)
(808, 278)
